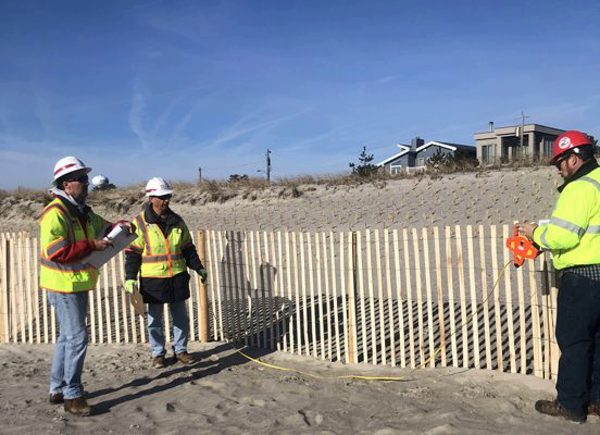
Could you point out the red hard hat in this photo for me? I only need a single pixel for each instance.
(567, 141)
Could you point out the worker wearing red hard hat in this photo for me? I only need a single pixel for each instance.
(573, 237)
(568, 143)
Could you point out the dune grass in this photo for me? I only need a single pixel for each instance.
(122, 199)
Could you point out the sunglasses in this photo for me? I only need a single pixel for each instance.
(84, 179)
(164, 197)
(559, 161)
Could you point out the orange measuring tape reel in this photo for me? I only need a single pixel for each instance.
(521, 247)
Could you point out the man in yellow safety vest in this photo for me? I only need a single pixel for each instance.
(573, 237)
(161, 255)
(69, 232)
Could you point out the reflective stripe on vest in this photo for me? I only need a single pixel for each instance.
(590, 180)
(157, 264)
(573, 233)
(72, 267)
(70, 233)
(159, 258)
(141, 225)
(57, 246)
(59, 229)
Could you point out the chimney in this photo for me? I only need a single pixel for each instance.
(416, 142)
(491, 126)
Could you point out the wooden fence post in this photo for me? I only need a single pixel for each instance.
(202, 297)
(4, 292)
(352, 357)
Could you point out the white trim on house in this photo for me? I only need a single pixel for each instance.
(405, 149)
(439, 144)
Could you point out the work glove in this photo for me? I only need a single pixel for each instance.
(203, 275)
(130, 286)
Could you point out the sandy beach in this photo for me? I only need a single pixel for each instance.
(226, 393)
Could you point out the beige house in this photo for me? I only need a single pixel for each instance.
(504, 144)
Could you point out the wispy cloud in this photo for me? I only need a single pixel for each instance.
(136, 115)
(248, 124)
(152, 125)
(386, 79)
(193, 23)
(183, 121)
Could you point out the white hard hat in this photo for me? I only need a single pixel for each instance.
(99, 180)
(69, 164)
(157, 186)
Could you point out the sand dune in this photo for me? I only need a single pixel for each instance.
(493, 197)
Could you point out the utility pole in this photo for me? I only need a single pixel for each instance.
(199, 175)
(521, 149)
(268, 171)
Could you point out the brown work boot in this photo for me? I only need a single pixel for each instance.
(594, 409)
(185, 358)
(77, 406)
(555, 409)
(55, 398)
(158, 362)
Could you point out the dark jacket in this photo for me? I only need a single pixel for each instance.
(163, 290)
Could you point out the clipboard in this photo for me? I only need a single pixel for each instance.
(137, 302)
(120, 238)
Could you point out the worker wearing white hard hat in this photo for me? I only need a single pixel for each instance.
(69, 232)
(69, 165)
(161, 255)
(158, 187)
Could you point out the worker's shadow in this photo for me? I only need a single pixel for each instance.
(205, 367)
(251, 311)
(247, 312)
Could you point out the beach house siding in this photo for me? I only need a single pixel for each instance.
(422, 156)
(503, 144)
(415, 155)
(407, 160)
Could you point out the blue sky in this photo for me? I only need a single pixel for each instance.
(159, 88)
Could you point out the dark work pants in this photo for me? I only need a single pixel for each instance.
(578, 337)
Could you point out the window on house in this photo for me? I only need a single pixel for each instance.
(547, 147)
(488, 153)
(395, 169)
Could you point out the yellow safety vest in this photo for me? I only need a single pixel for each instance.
(573, 234)
(161, 256)
(59, 228)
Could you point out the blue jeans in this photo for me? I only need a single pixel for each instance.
(180, 327)
(578, 336)
(71, 347)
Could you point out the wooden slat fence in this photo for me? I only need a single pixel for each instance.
(431, 297)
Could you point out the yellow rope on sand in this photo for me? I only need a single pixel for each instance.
(316, 376)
